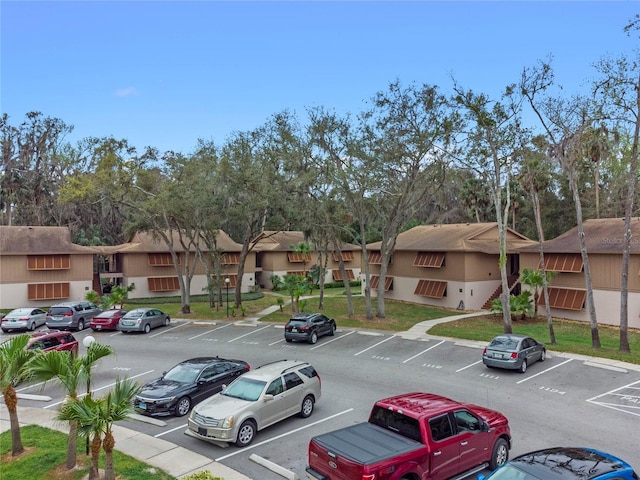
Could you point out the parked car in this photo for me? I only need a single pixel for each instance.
(187, 384)
(53, 340)
(563, 463)
(255, 400)
(71, 315)
(515, 352)
(308, 327)
(23, 319)
(107, 320)
(143, 320)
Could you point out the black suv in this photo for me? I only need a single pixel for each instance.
(309, 327)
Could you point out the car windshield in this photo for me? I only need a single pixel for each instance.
(503, 343)
(182, 373)
(295, 321)
(509, 472)
(245, 389)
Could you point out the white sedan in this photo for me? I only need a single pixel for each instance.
(23, 319)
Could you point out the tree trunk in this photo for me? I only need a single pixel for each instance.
(72, 445)
(11, 401)
(109, 443)
(96, 443)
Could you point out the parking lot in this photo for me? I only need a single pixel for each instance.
(563, 401)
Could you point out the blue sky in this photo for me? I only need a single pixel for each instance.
(165, 73)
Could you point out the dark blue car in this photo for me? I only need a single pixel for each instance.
(563, 463)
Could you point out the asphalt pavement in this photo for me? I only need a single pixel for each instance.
(180, 462)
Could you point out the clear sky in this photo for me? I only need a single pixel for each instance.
(165, 73)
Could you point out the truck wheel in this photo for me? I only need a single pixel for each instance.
(313, 338)
(500, 454)
(307, 407)
(246, 433)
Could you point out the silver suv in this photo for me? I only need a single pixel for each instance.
(71, 315)
(255, 400)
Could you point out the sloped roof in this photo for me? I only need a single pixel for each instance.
(26, 240)
(143, 242)
(281, 241)
(603, 235)
(457, 237)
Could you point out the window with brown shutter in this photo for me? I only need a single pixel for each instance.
(161, 259)
(296, 257)
(300, 273)
(347, 256)
(375, 257)
(337, 276)
(565, 298)
(388, 282)
(48, 291)
(233, 280)
(49, 262)
(230, 258)
(431, 288)
(429, 260)
(562, 262)
(163, 284)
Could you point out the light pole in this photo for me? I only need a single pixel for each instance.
(87, 342)
(227, 281)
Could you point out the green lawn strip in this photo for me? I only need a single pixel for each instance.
(47, 450)
(571, 336)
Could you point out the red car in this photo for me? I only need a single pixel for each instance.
(53, 340)
(107, 320)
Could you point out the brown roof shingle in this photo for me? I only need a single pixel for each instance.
(26, 240)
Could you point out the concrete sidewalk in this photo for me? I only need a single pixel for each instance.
(176, 461)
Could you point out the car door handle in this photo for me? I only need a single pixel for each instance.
(435, 454)
(464, 443)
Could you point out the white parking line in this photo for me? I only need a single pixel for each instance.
(169, 431)
(424, 351)
(610, 392)
(254, 445)
(544, 371)
(374, 346)
(247, 334)
(332, 340)
(469, 366)
(169, 329)
(209, 331)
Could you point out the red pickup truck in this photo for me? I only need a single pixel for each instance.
(414, 436)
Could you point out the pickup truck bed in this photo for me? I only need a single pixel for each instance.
(366, 444)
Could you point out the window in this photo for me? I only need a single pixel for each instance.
(337, 276)
(440, 428)
(230, 258)
(429, 259)
(300, 273)
(161, 259)
(292, 380)
(375, 257)
(396, 422)
(48, 262)
(233, 280)
(431, 288)
(347, 256)
(296, 257)
(388, 282)
(275, 388)
(466, 421)
(565, 298)
(562, 262)
(47, 291)
(163, 284)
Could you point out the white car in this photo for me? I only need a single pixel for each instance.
(255, 400)
(23, 319)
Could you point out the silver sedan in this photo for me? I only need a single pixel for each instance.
(24, 319)
(143, 320)
(515, 352)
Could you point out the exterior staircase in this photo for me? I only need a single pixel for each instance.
(513, 280)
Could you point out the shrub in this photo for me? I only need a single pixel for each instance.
(202, 476)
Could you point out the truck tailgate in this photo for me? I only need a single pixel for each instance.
(364, 444)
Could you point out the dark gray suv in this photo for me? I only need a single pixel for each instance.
(71, 315)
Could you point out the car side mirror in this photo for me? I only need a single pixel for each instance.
(267, 397)
(484, 427)
(481, 477)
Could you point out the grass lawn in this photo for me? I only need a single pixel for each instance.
(46, 452)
